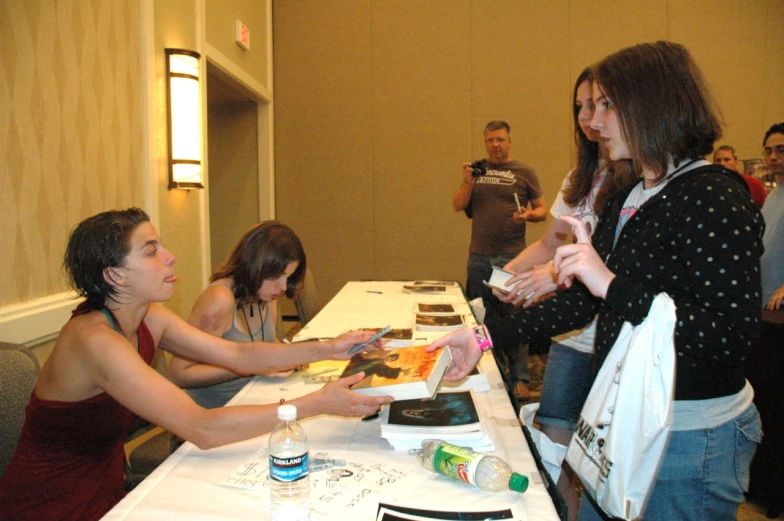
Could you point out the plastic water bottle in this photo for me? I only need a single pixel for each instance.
(481, 470)
(289, 466)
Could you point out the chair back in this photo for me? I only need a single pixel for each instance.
(19, 370)
(306, 300)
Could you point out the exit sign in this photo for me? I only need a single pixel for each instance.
(241, 35)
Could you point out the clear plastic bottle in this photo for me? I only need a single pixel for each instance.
(289, 467)
(484, 471)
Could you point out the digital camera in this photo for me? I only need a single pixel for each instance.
(479, 167)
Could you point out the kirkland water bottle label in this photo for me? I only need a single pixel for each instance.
(289, 468)
(457, 462)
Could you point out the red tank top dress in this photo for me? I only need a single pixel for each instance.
(68, 465)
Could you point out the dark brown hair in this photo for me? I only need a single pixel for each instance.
(95, 244)
(777, 128)
(497, 124)
(263, 253)
(619, 174)
(581, 180)
(666, 111)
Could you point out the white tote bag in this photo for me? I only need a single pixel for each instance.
(624, 426)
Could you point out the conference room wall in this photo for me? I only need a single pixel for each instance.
(378, 103)
(70, 132)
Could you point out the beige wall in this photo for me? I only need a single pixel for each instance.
(234, 203)
(220, 16)
(181, 215)
(78, 102)
(378, 103)
(70, 130)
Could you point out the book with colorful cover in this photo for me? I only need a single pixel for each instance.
(404, 373)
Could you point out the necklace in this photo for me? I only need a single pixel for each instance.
(247, 324)
(117, 327)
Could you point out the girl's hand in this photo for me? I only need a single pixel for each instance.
(775, 301)
(339, 346)
(528, 287)
(465, 353)
(581, 260)
(338, 399)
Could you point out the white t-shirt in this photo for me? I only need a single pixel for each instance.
(580, 339)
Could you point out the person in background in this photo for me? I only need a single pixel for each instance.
(68, 465)
(487, 196)
(726, 156)
(584, 191)
(772, 262)
(240, 305)
(687, 229)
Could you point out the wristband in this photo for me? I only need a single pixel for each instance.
(482, 338)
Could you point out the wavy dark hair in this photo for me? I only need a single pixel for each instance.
(263, 253)
(619, 173)
(665, 108)
(96, 244)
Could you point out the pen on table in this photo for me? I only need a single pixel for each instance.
(325, 464)
(370, 417)
(376, 292)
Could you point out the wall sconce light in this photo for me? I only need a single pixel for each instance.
(184, 113)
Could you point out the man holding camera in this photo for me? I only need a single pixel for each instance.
(489, 196)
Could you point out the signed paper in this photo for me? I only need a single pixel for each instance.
(351, 489)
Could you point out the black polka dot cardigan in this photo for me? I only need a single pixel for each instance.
(699, 240)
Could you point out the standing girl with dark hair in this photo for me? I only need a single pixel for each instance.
(688, 229)
(240, 305)
(584, 191)
(68, 465)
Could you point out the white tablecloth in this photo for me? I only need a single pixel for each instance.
(189, 485)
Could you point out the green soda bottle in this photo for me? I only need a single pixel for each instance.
(482, 470)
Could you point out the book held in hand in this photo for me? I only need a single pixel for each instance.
(498, 277)
(439, 322)
(403, 373)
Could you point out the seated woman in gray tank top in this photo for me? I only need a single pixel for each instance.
(240, 305)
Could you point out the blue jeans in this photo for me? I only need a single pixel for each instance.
(567, 380)
(514, 358)
(704, 473)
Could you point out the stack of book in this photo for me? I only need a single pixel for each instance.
(451, 417)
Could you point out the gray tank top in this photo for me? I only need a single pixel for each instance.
(219, 394)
